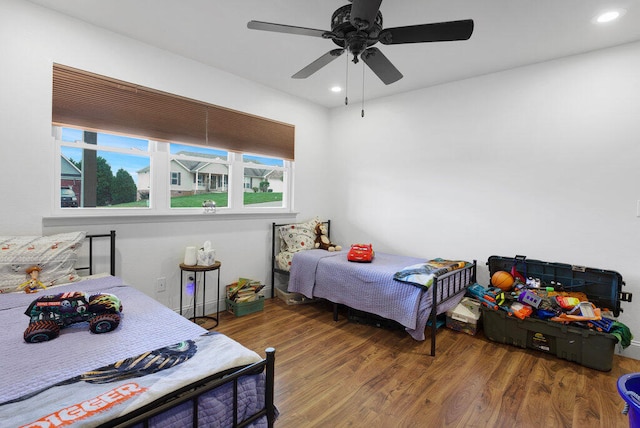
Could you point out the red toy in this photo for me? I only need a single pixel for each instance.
(360, 253)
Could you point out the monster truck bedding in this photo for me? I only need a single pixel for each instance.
(91, 378)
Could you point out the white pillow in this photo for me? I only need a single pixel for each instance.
(56, 255)
(299, 236)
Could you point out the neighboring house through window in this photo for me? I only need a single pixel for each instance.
(206, 172)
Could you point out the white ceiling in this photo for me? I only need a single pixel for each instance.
(507, 34)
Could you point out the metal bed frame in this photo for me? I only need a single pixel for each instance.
(112, 252)
(193, 392)
(444, 288)
(274, 266)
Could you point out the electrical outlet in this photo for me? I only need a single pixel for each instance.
(161, 285)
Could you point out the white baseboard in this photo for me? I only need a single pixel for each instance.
(632, 351)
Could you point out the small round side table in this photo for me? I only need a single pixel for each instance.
(203, 269)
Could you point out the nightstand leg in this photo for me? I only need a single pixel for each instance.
(181, 275)
(218, 300)
(204, 288)
(195, 295)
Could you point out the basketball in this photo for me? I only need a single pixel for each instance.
(503, 280)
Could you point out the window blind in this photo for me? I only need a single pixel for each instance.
(94, 102)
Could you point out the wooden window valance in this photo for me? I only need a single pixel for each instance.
(94, 102)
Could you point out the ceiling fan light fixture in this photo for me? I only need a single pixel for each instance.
(609, 16)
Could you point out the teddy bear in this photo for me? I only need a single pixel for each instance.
(322, 240)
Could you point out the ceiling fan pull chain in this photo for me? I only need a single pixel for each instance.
(346, 82)
(362, 112)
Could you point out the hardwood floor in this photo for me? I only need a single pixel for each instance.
(342, 374)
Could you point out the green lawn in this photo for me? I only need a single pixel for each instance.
(195, 201)
(256, 198)
(191, 201)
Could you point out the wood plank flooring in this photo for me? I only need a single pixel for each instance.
(343, 374)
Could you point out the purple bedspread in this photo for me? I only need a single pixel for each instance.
(146, 325)
(29, 367)
(88, 404)
(368, 287)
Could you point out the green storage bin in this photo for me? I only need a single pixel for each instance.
(245, 308)
(588, 348)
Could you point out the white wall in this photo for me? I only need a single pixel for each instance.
(33, 38)
(537, 161)
(540, 161)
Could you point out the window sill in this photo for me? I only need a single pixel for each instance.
(80, 220)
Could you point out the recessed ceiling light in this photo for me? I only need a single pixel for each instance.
(609, 16)
(336, 89)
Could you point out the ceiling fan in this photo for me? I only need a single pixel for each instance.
(356, 27)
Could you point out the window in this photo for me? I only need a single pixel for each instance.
(264, 181)
(122, 145)
(209, 172)
(99, 170)
(102, 170)
(175, 178)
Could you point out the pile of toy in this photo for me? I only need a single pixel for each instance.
(528, 297)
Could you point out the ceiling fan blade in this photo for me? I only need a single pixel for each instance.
(318, 64)
(289, 29)
(381, 66)
(436, 32)
(363, 13)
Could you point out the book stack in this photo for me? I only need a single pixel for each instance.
(244, 290)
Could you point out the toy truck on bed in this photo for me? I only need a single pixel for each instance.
(48, 314)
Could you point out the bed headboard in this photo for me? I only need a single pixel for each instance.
(112, 252)
(275, 249)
